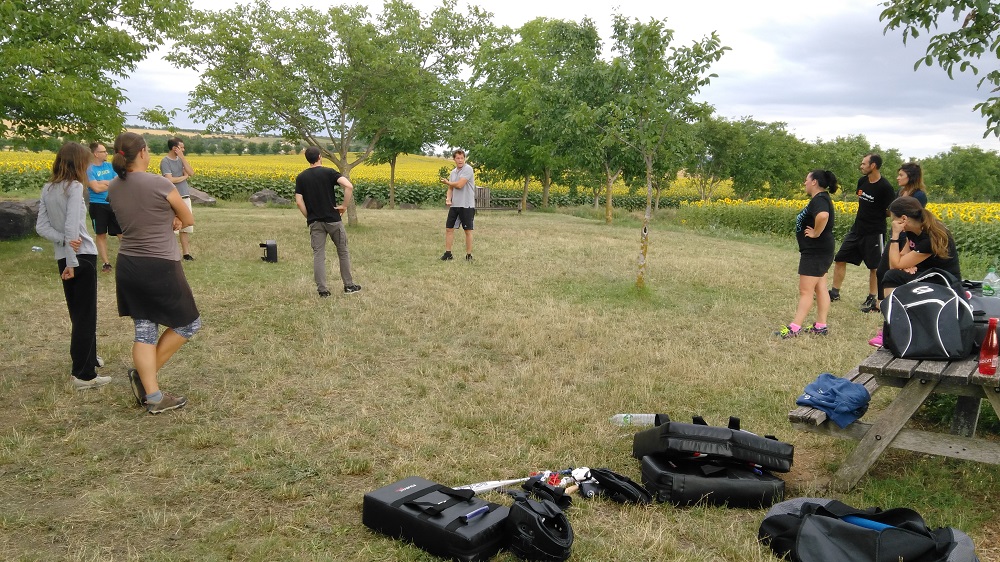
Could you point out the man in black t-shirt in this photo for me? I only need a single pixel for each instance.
(316, 197)
(866, 239)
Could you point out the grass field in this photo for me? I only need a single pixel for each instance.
(453, 371)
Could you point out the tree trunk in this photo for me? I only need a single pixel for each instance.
(656, 206)
(640, 281)
(524, 193)
(392, 182)
(608, 206)
(352, 207)
(545, 187)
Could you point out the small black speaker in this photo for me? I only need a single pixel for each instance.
(270, 251)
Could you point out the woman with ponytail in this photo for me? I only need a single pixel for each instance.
(151, 288)
(928, 245)
(814, 232)
(62, 219)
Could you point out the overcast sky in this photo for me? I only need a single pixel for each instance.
(824, 68)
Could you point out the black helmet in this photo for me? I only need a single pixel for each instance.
(538, 530)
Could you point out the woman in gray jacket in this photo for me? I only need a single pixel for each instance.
(62, 219)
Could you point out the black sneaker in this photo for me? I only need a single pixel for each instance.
(834, 294)
(351, 289)
(447, 256)
(324, 294)
(138, 391)
(106, 268)
(188, 257)
(468, 257)
(870, 305)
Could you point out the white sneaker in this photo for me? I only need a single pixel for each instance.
(100, 362)
(95, 382)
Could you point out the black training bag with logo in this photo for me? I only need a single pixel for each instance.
(928, 318)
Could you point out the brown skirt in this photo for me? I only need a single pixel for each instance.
(154, 289)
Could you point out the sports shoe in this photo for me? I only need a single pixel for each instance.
(188, 257)
(834, 294)
(447, 256)
(877, 340)
(786, 332)
(138, 391)
(468, 257)
(870, 305)
(106, 268)
(100, 362)
(168, 402)
(95, 382)
(324, 294)
(813, 330)
(350, 289)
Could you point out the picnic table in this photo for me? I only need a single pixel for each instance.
(917, 380)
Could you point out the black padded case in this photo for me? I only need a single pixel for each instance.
(683, 441)
(404, 510)
(685, 484)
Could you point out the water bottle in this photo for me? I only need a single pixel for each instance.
(36, 248)
(991, 283)
(989, 350)
(633, 419)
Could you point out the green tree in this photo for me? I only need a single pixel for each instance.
(977, 38)
(968, 173)
(658, 82)
(60, 65)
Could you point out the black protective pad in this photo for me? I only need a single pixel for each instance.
(687, 483)
(684, 441)
(436, 519)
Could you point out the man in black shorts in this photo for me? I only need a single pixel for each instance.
(99, 176)
(461, 202)
(866, 239)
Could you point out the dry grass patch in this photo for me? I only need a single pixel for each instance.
(453, 371)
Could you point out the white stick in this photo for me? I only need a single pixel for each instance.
(490, 485)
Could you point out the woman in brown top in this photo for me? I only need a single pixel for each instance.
(151, 286)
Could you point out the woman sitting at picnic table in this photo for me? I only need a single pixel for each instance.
(929, 244)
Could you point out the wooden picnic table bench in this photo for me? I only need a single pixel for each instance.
(486, 202)
(917, 380)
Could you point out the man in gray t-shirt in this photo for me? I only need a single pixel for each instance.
(175, 168)
(461, 200)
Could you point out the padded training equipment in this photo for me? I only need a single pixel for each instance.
(687, 483)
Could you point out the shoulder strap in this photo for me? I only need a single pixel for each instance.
(455, 497)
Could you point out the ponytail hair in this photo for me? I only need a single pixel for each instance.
(127, 148)
(938, 232)
(826, 180)
(71, 164)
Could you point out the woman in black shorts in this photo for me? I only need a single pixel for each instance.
(814, 232)
(151, 286)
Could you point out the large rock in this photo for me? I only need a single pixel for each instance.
(371, 203)
(199, 197)
(17, 218)
(265, 196)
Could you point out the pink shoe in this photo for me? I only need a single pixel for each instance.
(877, 340)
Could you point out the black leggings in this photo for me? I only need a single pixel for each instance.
(81, 299)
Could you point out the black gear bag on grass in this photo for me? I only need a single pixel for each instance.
(822, 530)
(929, 318)
(685, 483)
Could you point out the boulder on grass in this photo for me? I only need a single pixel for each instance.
(371, 203)
(17, 219)
(199, 197)
(265, 196)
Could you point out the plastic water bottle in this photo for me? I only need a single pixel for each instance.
(36, 248)
(988, 352)
(991, 283)
(633, 419)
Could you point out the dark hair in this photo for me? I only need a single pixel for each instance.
(457, 152)
(171, 143)
(916, 179)
(94, 145)
(127, 148)
(826, 180)
(875, 159)
(312, 154)
(71, 164)
(938, 232)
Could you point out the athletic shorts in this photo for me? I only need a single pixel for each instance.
(857, 248)
(102, 218)
(465, 215)
(188, 229)
(814, 265)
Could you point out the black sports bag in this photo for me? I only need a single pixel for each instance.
(684, 441)
(445, 522)
(686, 483)
(823, 530)
(928, 319)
